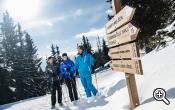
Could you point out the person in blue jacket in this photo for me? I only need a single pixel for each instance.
(84, 62)
(69, 76)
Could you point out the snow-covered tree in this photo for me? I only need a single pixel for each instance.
(19, 57)
(9, 40)
(105, 51)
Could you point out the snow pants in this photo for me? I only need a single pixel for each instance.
(56, 87)
(71, 85)
(88, 86)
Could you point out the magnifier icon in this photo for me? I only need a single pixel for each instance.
(159, 94)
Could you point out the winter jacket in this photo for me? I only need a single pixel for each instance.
(67, 65)
(53, 72)
(84, 64)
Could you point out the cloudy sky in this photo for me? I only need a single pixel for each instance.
(60, 22)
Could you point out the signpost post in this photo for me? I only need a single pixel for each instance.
(121, 36)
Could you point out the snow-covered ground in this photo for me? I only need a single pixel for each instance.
(159, 72)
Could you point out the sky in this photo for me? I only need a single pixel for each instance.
(59, 22)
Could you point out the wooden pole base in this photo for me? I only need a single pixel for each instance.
(132, 89)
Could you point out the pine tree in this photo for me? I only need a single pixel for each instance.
(109, 17)
(6, 93)
(9, 40)
(36, 77)
(86, 44)
(99, 45)
(172, 11)
(53, 50)
(6, 33)
(18, 65)
(150, 16)
(89, 48)
(9, 45)
(105, 51)
(1, 49)
(58, 57)
(20, 58)
(56, 54)
(99, 54)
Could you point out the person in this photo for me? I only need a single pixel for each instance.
(69, 76)
(52, 69)
(84, 62)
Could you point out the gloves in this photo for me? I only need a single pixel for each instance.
(68, 70)
(93, 68)
(72, 75)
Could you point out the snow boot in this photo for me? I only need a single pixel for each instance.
(53, 107)
(61, 104)
(90, 99)
(75, 102)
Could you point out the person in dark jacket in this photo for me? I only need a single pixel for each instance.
(69, 76)
(53, 72)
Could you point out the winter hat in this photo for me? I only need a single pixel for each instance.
(81, 47)
(64, 54)
(50, 57)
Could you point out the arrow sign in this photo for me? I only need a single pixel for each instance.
(128, 66)
(124, 51)
(123, 17)
(125, 34)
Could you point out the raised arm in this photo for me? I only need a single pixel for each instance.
(76, 65)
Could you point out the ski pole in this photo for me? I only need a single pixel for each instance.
(96, 80)
(63, 93)
(64, 98)
(66, 91)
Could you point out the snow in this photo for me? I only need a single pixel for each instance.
(12, 88)
(170, 27)
(108, 63)
(158, 68)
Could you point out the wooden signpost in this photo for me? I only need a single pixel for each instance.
(116, 4)
(128, 66)
(125, 34)
(124, 52)
(121, 36)
(123, 17)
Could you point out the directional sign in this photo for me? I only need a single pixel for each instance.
(120, 34)
(123, 17)
(124, 34)
(128, 66)
(125, 51)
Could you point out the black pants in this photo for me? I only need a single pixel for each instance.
(71, 85)
(56, 87)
